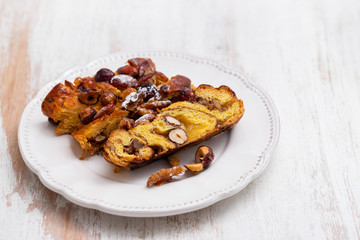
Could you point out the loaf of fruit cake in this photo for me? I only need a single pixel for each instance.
(137, 115)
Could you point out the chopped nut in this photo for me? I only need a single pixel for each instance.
(195, 168)
(107, 110)
(178, 136)
(204, 155)
(87, 115)
(156, 104)
(127, 91)
(128, 70)
(108, 98)
(173, 160)
(99, 139)
(89, 96)
(156, 78)
(164, 176)
(143, 111)
(146, 67)
(123, 81)
(172, 121)
(145, 118)
(126, 124)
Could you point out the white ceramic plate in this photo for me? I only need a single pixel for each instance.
(241, 154)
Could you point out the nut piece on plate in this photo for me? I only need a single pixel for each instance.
(164, 176)
(195, 168)
(204, 155)
(178, 136)
(173, 160)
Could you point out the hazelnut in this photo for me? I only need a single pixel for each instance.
(89, 96)
(195, 167)
(87, 115)
(104, 75)
(108, 98)
(107, 110)
(172, 121)
(204, 155)
(178, 136)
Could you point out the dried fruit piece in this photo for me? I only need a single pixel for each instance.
(126, 124)
(173, 160)
(107, 110)
(128, 70)
(108, 98)
(204, 155)
(178, 136)
(89, 96)
(123, 81)
(172, 121)
(104, 75)
(87, 115)
(145, 118)
(195, 167)
(164, 176)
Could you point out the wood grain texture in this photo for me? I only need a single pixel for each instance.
(306, 54)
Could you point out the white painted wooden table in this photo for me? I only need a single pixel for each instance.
(306, 54)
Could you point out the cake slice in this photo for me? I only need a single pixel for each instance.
(180, 125)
